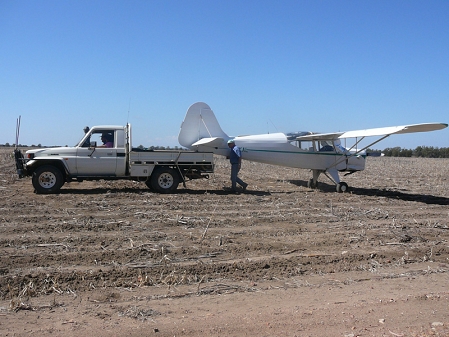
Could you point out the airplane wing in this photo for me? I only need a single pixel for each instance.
(392, 130)
(386, 131)
(321, 136)
(211, 142)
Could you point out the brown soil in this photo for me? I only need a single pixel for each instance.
(114, 259)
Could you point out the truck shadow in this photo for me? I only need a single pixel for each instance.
(423, 198)
(98, 191)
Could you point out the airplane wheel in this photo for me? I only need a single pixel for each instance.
(311, 184)
(342, 187)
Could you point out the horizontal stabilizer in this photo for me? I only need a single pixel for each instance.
(210, 142)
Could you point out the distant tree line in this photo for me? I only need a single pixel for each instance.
(141, 147)
(20, 145)
(420, 151)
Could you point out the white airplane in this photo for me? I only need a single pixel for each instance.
(319, 152)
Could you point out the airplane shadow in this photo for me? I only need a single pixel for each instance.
(423, 198)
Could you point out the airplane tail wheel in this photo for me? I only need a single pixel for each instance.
(311, 184)
(342, 187)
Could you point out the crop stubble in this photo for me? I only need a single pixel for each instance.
(118, 236)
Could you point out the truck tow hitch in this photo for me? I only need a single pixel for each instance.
(18, 156)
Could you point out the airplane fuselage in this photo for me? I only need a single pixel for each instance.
(282, 152)
(275, 149)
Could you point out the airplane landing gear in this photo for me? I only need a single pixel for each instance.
(313, 183)
(342, 187)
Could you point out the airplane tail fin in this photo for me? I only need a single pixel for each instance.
(200, 128)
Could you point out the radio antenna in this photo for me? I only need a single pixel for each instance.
(17, 131)
(18, 156)
(129, 108)
(273, 125)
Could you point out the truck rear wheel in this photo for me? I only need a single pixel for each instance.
(47, 179)
(148, 183)
(165, 180)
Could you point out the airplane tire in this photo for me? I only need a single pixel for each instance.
(342, 187)
(165, 180)
(47, 179)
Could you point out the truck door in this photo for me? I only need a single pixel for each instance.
(101, 160)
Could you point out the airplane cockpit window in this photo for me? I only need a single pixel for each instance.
(326, 145)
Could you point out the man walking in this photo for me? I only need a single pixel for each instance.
(235, 157)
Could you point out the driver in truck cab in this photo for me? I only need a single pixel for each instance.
(107, 139)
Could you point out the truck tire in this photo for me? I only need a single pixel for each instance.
(47, 179)
(164, 180)
(148, 183)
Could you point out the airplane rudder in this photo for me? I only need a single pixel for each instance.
(199, 122)
(190, 126)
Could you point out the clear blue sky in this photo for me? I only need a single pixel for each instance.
(262, 66)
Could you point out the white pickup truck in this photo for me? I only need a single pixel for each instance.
(161, 170)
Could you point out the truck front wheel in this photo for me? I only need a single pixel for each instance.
(47, 179)
(165, 180)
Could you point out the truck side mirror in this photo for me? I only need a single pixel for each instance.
(93, 144)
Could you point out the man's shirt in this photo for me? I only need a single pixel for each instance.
(235, 155)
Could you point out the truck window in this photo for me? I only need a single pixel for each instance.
(120, 138)
(104, 138)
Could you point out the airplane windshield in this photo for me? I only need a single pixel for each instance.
(303, 145)
(291, 136)
(338, 147)
(333, 145)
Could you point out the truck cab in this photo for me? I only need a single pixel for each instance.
(94, 158)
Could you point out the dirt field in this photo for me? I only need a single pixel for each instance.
(114, 259)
